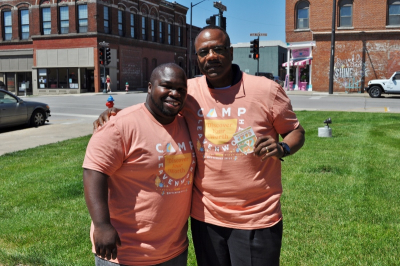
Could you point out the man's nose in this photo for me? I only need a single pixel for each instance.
(211, 53)
(174, 92)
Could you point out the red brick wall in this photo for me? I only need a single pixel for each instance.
(366, 51)
(130, 52)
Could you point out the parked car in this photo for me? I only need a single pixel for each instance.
(15, 111)
(265, 74)
(378, 86)
(279, 81)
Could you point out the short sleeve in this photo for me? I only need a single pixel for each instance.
(105, 152)
(285, 119)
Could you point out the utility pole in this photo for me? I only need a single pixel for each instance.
(190, 37)
(332, 63)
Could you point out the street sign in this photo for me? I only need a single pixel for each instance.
(219, 6)
(103, 43)
(258, 34)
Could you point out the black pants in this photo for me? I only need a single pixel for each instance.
(221, 246)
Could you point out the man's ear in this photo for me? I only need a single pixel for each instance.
(149, 87)
(231, 52)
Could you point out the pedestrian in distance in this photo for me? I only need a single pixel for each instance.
(108, 81)
(138, 179)
(235, 122)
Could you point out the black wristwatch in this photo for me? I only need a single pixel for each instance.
(286, 149)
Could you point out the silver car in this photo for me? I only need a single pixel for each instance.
(15, 111)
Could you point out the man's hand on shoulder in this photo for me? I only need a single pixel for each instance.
(104, 117)
(106, 240)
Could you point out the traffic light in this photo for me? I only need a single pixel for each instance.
(211, 21)
(254, 48)
(107, 59)
(223, 22)
(101, 55)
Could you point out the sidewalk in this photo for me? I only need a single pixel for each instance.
(319, 93)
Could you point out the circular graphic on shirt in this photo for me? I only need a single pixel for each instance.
(220, 131)
(177, 166)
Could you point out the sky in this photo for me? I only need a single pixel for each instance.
(243, 17)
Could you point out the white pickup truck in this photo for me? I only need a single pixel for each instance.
(378, 86)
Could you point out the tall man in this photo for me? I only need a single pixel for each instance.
(138, 173)
(236, 213)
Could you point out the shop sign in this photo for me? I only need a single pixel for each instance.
(301, 53)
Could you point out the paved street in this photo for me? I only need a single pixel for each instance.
(72, 115)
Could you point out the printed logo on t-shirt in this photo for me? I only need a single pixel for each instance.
(215, 137)
(175, 174)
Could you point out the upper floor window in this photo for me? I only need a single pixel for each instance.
(24, 16)
(346, 13)
(153, 30)
(106, 20)
(7, 25)
(161, 32)
(120, 22)
(303, 15)
(180, 36)
(64, 19)
(82, 18)
(46, 20)
(144, 37)
(169, 33)
(133, 26)
(394, 12)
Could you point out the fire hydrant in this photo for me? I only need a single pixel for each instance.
(127, 86)
(110, 102)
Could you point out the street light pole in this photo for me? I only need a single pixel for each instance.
(190, 37)
(331, 68)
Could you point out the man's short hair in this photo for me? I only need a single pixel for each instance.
(213, 27)
(155, 74)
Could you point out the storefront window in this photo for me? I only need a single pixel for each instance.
(42, 78)
(52, 78)
(63, 78)
(73, 78)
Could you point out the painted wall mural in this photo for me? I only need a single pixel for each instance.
(350, 70)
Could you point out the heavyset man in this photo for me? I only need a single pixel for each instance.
(236, 212)
(138, 179)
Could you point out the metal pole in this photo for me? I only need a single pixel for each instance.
(258, 59)
(331, 68)
(190, 37)
(105, 79)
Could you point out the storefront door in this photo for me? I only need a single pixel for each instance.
(10, 79)
(24, 82)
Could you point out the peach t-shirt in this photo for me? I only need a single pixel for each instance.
(232, 189)
(150, 168)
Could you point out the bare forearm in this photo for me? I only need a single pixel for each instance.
(295, 139)
(96, 196)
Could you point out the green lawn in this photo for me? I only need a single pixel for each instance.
(340, 203)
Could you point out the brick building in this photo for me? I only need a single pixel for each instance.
(52, 46)
(367, 39)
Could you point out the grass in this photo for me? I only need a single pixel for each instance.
(340, 201)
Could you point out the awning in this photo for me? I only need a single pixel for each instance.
(298, 63)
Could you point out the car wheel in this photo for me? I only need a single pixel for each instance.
(38, 118)
(375, 92)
